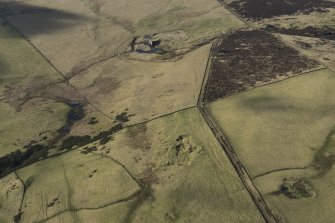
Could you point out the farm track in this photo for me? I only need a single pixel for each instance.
(123, 167)
(69, 194)
(280, 170)
(23, 193)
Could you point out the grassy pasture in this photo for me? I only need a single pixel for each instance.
(285, 130)
(197, 19)
(197, 188)
(11, 191)
(111, 214)
(73, 182)
(146, 89)
(305, 209)
(137, 176)
(37, 116)
(24, 71)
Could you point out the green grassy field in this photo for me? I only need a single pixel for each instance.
(34, 99)
(168, 170)
(73, 181)
(198, 19)
(157, 88)
(23, 74)
(285, 130)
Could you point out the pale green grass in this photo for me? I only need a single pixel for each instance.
(147, 89)
(111, 214)
(67, 178)
(279, 125)
(205, 189)
(208, 190)
(286, 125)
(23, 70)
(318, 209)
(11, 191)
(37, 116)
(198, 19)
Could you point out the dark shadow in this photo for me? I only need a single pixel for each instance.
(34, 20)
(324, 158)
(267, 103)
(279, 104)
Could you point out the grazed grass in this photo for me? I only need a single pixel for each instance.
(287, 127)
(140, 176)
(178, 170)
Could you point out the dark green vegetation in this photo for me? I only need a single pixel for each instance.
(257, 10)
(17, 217)
(297, 188)
(19, 159)
(75, 114)
(307, 31)
(83, 140)
(87, 150)
(260, 9)
(246, 59)
(71, 141)
(105, 140)
(123, 117)
(93, 121)
(324, 158)
(53, 202)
